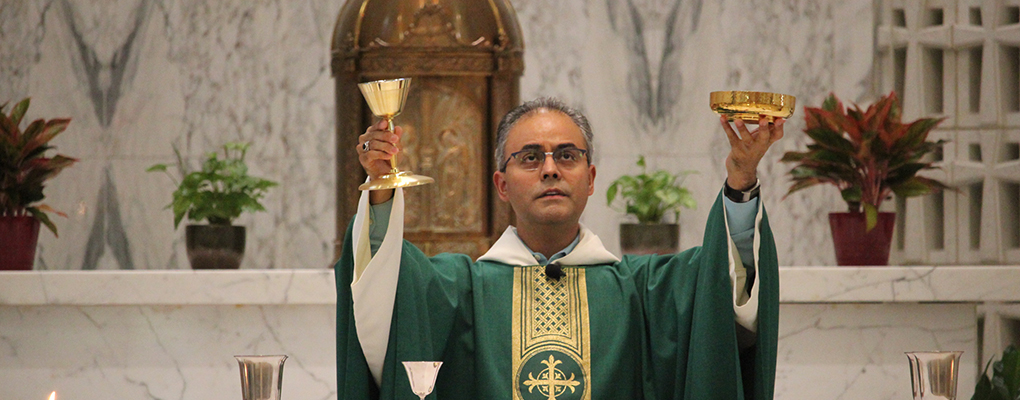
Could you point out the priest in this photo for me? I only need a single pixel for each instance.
(548, 312)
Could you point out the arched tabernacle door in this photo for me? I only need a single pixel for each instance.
(465, 60)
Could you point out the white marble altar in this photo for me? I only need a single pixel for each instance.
(103, 335)
(163, 334)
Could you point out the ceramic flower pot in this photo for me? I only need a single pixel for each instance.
(19, 236)
(215, 246)
(857, 246)
(649, 238)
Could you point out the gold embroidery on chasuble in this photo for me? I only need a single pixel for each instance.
(551, 348)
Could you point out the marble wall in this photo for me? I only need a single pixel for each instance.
(140, 76)
(163, 352)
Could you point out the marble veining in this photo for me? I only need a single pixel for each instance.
(853, 351)
(899, 284)
(654, 33)
(554, 35)
(158, 352)
(107, 229)
(106, 69)
(138, 77)
(289, 287)
(168, 288)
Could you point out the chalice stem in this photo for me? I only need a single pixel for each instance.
(393, 160)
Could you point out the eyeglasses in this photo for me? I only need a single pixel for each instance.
(533, 159)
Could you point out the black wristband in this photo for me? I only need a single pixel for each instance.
(741, 196)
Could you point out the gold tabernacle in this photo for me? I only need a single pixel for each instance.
(749, 106)
(386, 99)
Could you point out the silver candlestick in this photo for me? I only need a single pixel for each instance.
(261, 377)
(933, 374)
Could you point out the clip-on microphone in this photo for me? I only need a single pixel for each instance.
(554, 271)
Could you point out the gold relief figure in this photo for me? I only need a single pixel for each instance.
(417, 204)
(454, 166)
(409, 149)
(455, 146)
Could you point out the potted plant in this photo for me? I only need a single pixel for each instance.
(24, 170)
(867, 155)
(649, 198)
(217, 193)
(1004, 383)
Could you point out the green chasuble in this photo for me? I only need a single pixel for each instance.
(646, 327)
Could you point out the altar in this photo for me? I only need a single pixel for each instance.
(173, 334)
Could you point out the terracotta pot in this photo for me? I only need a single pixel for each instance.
(649, 238)
(854, 245)
(215, 246)
(19, 236)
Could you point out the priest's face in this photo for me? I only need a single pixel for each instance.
(552, 193)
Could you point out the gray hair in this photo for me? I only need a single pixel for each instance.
(547, 103)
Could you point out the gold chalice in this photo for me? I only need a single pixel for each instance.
(749, 106)
(386, 99)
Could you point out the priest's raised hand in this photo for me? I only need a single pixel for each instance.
(375, 149)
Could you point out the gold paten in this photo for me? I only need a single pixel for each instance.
(386, 99)
(750, 106)
(550, 325)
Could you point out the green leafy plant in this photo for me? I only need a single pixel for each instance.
(650, 196)
(24, 166)
(1005, 381)
(220, 191)
(867, 155)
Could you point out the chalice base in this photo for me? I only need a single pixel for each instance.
(395, 180)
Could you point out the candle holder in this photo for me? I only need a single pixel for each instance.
(933, 374)
(261, 377)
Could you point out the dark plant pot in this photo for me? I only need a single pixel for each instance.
(649, 238)
(19, 236)
(854, 245)
(215, 246)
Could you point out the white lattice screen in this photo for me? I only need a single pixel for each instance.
(959, 59)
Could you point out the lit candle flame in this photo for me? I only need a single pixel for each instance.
(53, 396)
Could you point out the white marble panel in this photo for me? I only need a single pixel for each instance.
(855, 351)
(899, 284)
(162, 352)
(554, 36)
(140, 76)
(169, 288)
